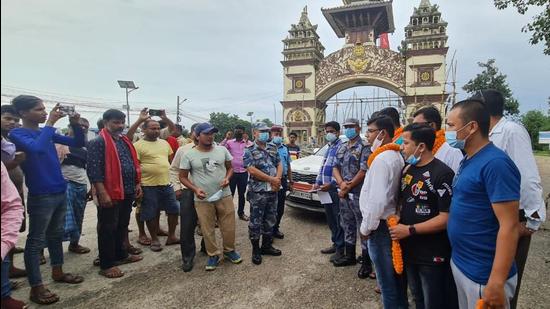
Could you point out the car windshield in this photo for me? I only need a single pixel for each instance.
(321, 152)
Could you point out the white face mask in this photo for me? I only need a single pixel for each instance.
(377, 143)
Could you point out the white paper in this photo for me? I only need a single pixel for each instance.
(324, 197)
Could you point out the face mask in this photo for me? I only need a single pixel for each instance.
(263, 137)
(330, 137)
(277, 140)
(453, 141)
(377, 143)
(350, 133)
(238, 135)
(412, 160)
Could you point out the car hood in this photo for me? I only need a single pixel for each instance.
(307, 165)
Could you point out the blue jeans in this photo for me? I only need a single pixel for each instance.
(332, 212)
(76, 199)
(432, 286)
(393, 288)
(6, 288)
(46, 222)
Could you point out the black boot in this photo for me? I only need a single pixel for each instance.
(267, 247)
(366, 265)
(340, 253)
(348, 259)
(256, 252)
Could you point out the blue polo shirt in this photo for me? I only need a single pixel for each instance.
(490, 176)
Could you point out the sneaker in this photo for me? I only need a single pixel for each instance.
(212, 263)
(233, 256)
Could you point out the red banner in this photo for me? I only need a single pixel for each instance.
(384, 41)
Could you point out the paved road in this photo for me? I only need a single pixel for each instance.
(301, 278)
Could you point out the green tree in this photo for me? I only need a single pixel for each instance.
(225, 122)
(267, 121)
(540, 27)
(535, 121)
(492, 78)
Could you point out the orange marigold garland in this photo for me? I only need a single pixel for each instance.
(396, 254)
(439, 140)
(390, 146)
(397, 134)
(480, 304)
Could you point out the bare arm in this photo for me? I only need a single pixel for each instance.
(169, 123)
(507, 238)
(357, 179)
(280, 170)
(336, 174)
(256, 173)
(143, 115)
(184, 179)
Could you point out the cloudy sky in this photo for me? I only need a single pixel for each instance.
(222, 55)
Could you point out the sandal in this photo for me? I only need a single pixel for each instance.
(69, 278)
(162, 233)
(172, 242)
(78, 249)
(44, 298)
(18, 250)
(96, 261)
(156, 247)
(130, 259)
(17, 273)
(42, 260)
(133, 250)
(112, 273)
(14, 285)
(144, 241)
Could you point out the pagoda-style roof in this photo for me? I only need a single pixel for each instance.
(355, 15)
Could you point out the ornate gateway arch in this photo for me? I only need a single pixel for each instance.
(416, 73)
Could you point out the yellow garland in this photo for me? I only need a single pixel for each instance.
(390, 146)
(396, 254)
(397, 134)
(439, 140)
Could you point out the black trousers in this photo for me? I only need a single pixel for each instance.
(238, 182)
(112, 227)
(281, 202)
(188, 223)
(521, 258)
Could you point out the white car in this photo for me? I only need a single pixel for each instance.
(304, 174)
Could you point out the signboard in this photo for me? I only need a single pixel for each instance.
(544, 137)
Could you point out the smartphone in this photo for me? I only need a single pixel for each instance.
(155, 112)
(67, 110)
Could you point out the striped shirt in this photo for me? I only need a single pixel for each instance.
(329, 161)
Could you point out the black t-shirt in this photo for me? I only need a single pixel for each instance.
(425, 192)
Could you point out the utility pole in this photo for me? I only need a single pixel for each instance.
(179, 104)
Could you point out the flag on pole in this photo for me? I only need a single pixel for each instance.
(384, 41)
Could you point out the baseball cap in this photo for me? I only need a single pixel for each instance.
(351, 122)
(205, 127)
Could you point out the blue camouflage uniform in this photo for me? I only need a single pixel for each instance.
(260, 195)
(350, 160)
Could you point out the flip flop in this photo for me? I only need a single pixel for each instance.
(44, 298)
(14, 285)
(155, 247)
(133, 250)
(17, 250)
(174, 242)
(144, 241)
(130, 259)
(162, 233)
(69, 278)
(17, 273)
(79, 249)
(112, 273)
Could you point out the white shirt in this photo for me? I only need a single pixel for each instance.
(175, 166)
(515, 141)
(450, 156)
(378, 197)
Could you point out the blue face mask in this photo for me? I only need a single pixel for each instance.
(350, 133)
(450, 137)
(331, 137)
(412, 160)
(277, 140)
(263, 137)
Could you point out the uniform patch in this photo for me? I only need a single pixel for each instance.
(441, 192)
(408, 178)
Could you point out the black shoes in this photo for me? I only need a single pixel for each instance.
(348, 259)
(187, 265)
(337, 255)
(277, 234)
(365, 270)
(256, 252)
(267, 247)
(329, 250)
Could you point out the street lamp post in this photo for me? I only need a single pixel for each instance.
(129, 86)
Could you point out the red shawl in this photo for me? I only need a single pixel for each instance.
(113, 175)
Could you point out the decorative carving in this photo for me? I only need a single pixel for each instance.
(365, 60)
(298, 115)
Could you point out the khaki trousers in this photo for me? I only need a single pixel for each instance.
(223, 212)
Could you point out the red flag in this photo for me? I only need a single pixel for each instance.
(384, 41)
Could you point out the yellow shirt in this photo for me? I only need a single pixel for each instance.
(153, 159)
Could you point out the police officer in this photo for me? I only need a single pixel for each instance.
(265, 169)
(286, 180)
(349, 172)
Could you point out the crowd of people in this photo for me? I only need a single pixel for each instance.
(467, 198)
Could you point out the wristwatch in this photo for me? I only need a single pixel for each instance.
(412, 230)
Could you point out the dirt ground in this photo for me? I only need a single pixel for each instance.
(300, 278)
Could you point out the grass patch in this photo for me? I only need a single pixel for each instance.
(542, 153)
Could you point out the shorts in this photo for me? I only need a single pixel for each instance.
(157, 198)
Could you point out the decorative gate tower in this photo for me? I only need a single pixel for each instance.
(417, 73)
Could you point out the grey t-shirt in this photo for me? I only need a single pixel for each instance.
(207, 169)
